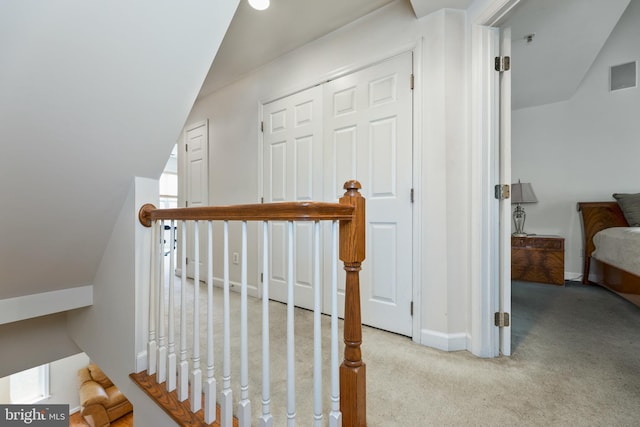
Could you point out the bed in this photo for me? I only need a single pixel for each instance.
(611, 248)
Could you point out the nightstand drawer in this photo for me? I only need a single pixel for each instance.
(546, 242)
(538, 259)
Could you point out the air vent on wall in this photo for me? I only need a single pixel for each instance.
(623, 76)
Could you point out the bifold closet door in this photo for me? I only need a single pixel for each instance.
(292, 167)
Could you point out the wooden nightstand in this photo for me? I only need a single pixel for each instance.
(538, 259)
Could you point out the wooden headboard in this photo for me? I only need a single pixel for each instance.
(597, 216)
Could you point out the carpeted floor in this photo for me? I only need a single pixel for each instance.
(575, 362)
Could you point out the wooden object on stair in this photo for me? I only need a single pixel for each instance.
(180, 412)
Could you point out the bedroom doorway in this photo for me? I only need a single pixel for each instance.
(491, 122)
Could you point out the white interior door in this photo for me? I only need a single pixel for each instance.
(368, 136)
(504, 153)
(292, 158)
(197, 187)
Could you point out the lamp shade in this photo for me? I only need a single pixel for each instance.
(522, 192)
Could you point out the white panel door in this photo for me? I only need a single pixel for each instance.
(292, 159)
(196, 149)
(368, 136)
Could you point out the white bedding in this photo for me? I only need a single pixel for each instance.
(620, 247)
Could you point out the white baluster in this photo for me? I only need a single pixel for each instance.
(244, 405)
(196, 373)
(317, 330)
(291, 360)
(226, 398)
(266, 420)
(335, 416)
(151, 344)
(210, 384)
(171, 354)
(183, 369)
(161, 375)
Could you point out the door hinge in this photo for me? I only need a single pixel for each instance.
(186, 261)
(501, 319)
(262, 200)
(502, 63)
(411, 81)
(411, 308)
(261, 277)
(261, 126)
(186, 204)
(186, 147)
(502, 191)
(412, 196)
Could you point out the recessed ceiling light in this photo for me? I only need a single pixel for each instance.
(259, 4)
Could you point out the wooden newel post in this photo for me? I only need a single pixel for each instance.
(352, 253)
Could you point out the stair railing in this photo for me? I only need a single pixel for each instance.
(171, 367)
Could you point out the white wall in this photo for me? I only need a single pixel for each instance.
(5, 390)
(93, 94)
(113, 330)
(63, 382)
(34, 342)
(442, 158)
(583, 149)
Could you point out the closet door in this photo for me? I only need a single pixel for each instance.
(368, 136)
(292, 159)
(196, 144)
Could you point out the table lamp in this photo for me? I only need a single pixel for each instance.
(521, 192)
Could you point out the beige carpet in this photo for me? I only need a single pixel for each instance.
(576, 362)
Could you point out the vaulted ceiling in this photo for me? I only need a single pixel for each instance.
(568, 36)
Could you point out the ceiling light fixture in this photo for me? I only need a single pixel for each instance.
(259, 4)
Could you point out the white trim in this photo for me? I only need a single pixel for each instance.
(42, 304)
(253, 290)
(568, 275)
(417, 189)
(494, 13)
(342, 71)
(442, 341)
(141, 361)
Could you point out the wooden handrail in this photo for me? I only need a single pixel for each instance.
(285, 211)
(350, 211)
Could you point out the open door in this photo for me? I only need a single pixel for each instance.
(503, 320)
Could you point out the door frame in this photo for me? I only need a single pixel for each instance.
(415, 47)
(486, 261)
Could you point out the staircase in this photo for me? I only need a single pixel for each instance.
(174, 377)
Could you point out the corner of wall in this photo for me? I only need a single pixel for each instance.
(110, 330)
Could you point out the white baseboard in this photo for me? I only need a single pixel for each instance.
(442, 341)
(568, 275)
(141, 361)
(252, 290)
